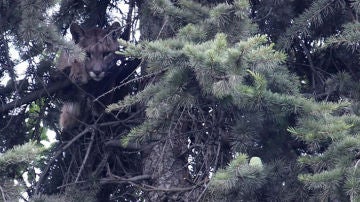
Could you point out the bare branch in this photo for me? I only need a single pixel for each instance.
(2, 194)
(86, 155)
(35, 95)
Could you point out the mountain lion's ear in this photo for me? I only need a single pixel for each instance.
(115, 30)
(77, 32)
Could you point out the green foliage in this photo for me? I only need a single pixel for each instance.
(217, 88)
(34, 27)
(245, 78)
(13, 164)
(343, 84)
(247, 74)
(19, 155)
(352, 184)
(333, 142)
(349, 36)
(220, 70)
(32, 24)
(241, 177)
(231, 19)
(185, 10)
(312, 17)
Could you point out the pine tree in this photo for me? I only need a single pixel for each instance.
(233, 101)
(30, 105)
(331, 137)
(326, 31)
(218, 89)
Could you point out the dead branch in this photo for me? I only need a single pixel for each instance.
(86, 155)
(35, 95)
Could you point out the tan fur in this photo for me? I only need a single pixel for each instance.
(99, 45)
(78, 72)
(70, 113)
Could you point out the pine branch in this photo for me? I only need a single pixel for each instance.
(349, 37)
(18, 155)
(240, 176)
(314, 16)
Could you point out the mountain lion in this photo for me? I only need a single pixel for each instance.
(100, 46)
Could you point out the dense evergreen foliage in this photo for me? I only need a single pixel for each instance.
(207, 100)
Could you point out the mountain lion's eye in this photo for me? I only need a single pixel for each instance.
(106, 54)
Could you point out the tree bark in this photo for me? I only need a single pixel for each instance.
(168, 173)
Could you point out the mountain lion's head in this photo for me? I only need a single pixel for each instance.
(99, 45)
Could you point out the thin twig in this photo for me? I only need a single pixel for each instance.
(162, 27)
(311, 63)
(70, 184)
(115, 179)
(86, 156)
(216, 161)
(2, 193)
(101, 164)
(130, 81)
(262, 18)
(146, 187)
